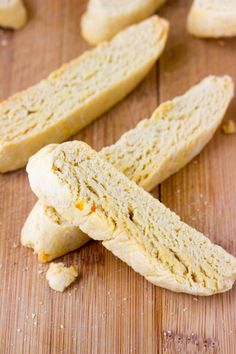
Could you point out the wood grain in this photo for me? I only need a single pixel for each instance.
(111, 309)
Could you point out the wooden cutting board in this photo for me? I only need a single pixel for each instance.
(111, 309)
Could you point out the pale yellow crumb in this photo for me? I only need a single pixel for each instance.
(60, 277)
(228, 127)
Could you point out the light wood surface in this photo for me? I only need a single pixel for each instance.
(110, 309)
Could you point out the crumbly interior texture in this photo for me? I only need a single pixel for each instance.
(60, 277)
(12, 14)
(104, 18)
(212, 18)
(147, 154)
(137, 228)
(77, 93)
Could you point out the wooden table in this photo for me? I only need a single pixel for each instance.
(111, 309)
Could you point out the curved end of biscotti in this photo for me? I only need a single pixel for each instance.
(13, 15)
(10, 158)
(20, 15)
(39, 167)
(49, 235)
(192, 24)
(37, 234)
(204, 21)
(93, 32)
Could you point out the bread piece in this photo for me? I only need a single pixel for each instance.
(141, 231)
(77, 93)
(148, 154)
(212, 18)
(60, 277)
(12, 14)
(105, 18)
(49, 234)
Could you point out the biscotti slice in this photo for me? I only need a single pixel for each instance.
(77, 93)
(148, 154)
(105, 18)
(212, 18)
(49, 234)
(141, 231)
(12, 14)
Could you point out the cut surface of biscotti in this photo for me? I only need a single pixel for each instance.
(212, 18)
(104, 18)
(12, 14)
(141, 231)
(77, 93)
(147, 154)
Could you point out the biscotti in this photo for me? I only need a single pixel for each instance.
(104, 18)
(141, 231)
(12, 14)
(77, 93)
(49, 234)
(212, 18)
(148, 154)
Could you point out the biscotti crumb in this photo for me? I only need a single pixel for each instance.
(4, 42)
(60, 277)
(228, 127)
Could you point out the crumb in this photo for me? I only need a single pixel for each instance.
(61, 326)
(4, 42)
(33, 316)
(15, 245)
(60, 277)
(18, 330)
(195, 299)
(228, 127)
(125, 298)
(185, 309)
(35, 323)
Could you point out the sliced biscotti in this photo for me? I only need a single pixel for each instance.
(12, 14)
(212, 18)
(49, 234)
(77, 93)
(147, 154)
(105, 204)
(104, 18)
(176, 132)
